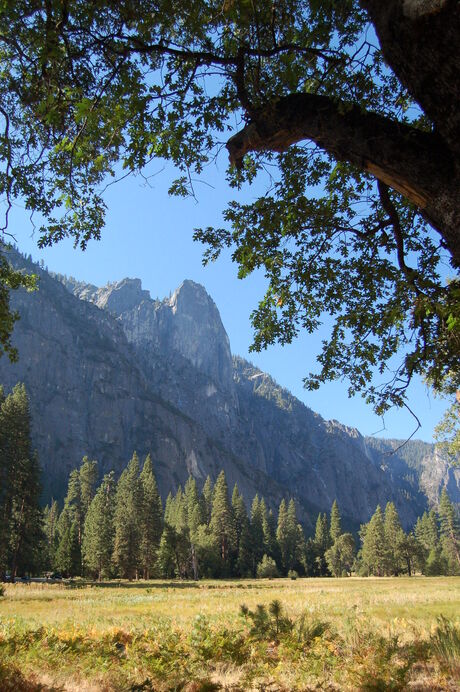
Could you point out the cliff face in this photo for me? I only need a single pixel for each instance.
(110, 370)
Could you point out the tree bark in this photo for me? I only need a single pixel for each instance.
(420, 40)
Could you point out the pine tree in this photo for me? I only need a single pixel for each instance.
(195, 518)
(168, 563)
(245, 561)
(98, 531)
(21, 518)
(51, 517)
(68, 555)
(282, 535)
(335, 524)
(393, 540)
(322, 542)
(257, 530)
(289, 536)
(128, 501)
(167, 515)
(239, 514)
(74, 515)
(5, 488)
(222, 526)
(177, 519)
(449, 533)
(340, 555)
(427, 535)
(88, 480)
(206, 497)
(269, 529)
(194, 508)
(244, 565)
(151, 518)
(373, 551)
(295, 534)
(426, 530)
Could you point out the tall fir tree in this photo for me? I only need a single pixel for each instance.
(193, 506)
(222, 524)
(449, 533)
(51, 517)
(393, 541)
(340, 555)
(335, 523)
(206, 497)
(257, 530)
(68, 554)
(322, 542)
(98, 531)
(427, 534)
(177, 518)
(80, 492)
(373, 551)
(22, 541)
(296, 538)
(195, 518)
(128, 502)
(151, 519)
(69, 543)
(269, 530)
(88, 475)
(282, 535)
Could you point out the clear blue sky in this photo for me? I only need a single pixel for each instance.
(149, 235)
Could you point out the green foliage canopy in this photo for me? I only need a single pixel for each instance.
(355, 137)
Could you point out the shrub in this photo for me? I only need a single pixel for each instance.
(267, 568)
(292, 574)
(267, 624)
(2, 590)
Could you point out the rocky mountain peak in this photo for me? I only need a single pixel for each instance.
(187, 323)
(198, 334)
(121, 296)
(190, 296)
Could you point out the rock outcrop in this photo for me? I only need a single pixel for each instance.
(110, 370)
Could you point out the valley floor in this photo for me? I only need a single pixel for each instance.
(326, 634)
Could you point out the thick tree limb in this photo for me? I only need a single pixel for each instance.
(409, 160)
(418, 164)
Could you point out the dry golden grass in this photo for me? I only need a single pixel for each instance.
(118, 635)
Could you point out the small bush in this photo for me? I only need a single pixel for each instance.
(292, 574)
(267, 568)
(2, 591)
(267, 624)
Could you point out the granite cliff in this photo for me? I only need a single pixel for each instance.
(110, 370)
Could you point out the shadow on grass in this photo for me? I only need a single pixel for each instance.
(13, 680)
(150, 585)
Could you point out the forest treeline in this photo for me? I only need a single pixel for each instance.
(119, 528)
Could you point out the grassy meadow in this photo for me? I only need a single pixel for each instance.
(304, 634)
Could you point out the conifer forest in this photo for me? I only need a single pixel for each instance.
(120, 528)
